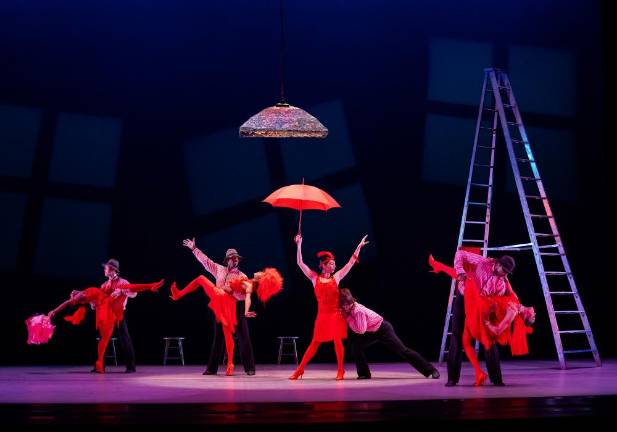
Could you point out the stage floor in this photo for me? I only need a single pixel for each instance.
(533, 388)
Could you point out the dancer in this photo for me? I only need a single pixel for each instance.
(484, 309)
(109, 312)
(330, 324)
(368, 327)
(265, 283)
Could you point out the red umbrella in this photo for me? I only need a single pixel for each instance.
(301, 197)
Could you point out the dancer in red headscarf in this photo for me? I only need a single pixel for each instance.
(330, 324)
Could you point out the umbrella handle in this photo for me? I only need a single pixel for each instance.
(300, 222)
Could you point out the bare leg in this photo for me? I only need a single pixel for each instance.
(144, 287)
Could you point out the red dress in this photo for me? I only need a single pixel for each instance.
(330, 323)
(223, 305)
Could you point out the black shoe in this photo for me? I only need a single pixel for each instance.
(499, 384)
(209, 372)
(250, 372)
(435, 374)
(130, 370)
(364, 377)
(93, 370)
(450, 383)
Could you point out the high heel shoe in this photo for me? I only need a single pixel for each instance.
(230, 370)
(156, 286)
(480, 378)
(297, 374)
(436, 266)
(339, 375)
(175, 293)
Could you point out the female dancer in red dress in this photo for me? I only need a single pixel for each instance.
(330, 324)
(489, 318)
(265, 283)
(109, 311)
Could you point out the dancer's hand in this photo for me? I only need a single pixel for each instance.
(363, 242)
(250, 314)
(189, 243)
(51, 314)
(298, 239)
(116, 293)
(461, 277)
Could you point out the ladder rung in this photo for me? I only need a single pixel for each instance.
(517, 141)
(488, 128)
(552, 273)
(512, 123)
(476, 222)
(482, 185)
(525, 160)
(561, 293)
(551, 254)
(535, 197)
(573, 331)
(546, 235)
(530, 178)
(570, 312)
(489, 147)
(483, 165)
(548, 246)
(541, 216)
(473, 241)
(490, 109)
(477, 203)
(577, 351)
(508, 106)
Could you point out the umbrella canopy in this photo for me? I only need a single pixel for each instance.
(301, 197)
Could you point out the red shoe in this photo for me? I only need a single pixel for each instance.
(480, 378)
(156, 286)
(339, 375)
(230, 370)
(436, 266)
(175, 293)
(297, 374)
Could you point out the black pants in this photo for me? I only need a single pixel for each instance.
(244, 340)
(386, 335)
(126, 345)
(455, 351)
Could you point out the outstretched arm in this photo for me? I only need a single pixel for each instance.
(305, 269)
(212, 267)
(339, 275)
(76, 296)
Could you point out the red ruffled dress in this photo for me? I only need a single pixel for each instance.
(330, 323)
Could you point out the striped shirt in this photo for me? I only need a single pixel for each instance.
(115, 284)
(361, 319)
(222, 274)
(483, 270)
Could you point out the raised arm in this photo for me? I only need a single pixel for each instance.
(305, 269)
(339, 275)
(212, 267)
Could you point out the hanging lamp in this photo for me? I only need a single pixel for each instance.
(283, 120)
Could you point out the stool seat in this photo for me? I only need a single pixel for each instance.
(173, 343)
(290, 342)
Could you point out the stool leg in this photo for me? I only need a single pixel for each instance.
(113, 349)
(181, 352)
(280, 351)
(165, 353)
(295, 351)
